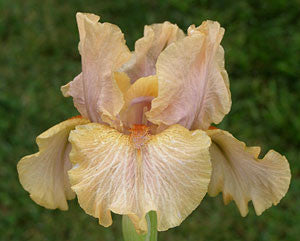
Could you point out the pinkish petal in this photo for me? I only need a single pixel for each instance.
(193, 84)
(147, 49)
(75, 89)
(103, 51)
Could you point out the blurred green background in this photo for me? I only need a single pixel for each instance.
(38, 54)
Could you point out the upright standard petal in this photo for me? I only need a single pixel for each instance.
(103, 51)
(242, 176)
(168, 173)
(44, 174)
(75, 89)
(193, 84)
(147, 49)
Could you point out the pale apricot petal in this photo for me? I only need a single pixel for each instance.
(103, 51)
(169, 174)
(145, 86)
(44, 174)
(147, 49)
(219, 58)
(193, 84)
(75, 89)
(123, 81)
(176, 174)
(241, 176)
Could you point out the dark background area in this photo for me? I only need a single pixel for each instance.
(38, 54)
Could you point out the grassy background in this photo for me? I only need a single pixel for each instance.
(38, 54)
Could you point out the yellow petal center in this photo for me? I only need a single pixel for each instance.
(137, 98)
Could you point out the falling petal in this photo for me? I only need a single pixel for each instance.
(75, 89)
(168, 173)
(242, 176)
(44, 174)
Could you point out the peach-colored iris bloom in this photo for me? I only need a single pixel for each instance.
(143, 140)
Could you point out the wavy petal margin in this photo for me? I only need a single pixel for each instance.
(147, 49)
(242, 176)
(44, 174)
(193, 84)
(103, 51)
(75, 89)
(169, 174)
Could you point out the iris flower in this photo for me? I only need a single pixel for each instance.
(144, 140)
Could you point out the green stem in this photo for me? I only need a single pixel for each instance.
(130, 234)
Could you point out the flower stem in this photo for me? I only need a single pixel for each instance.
(130, 234)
